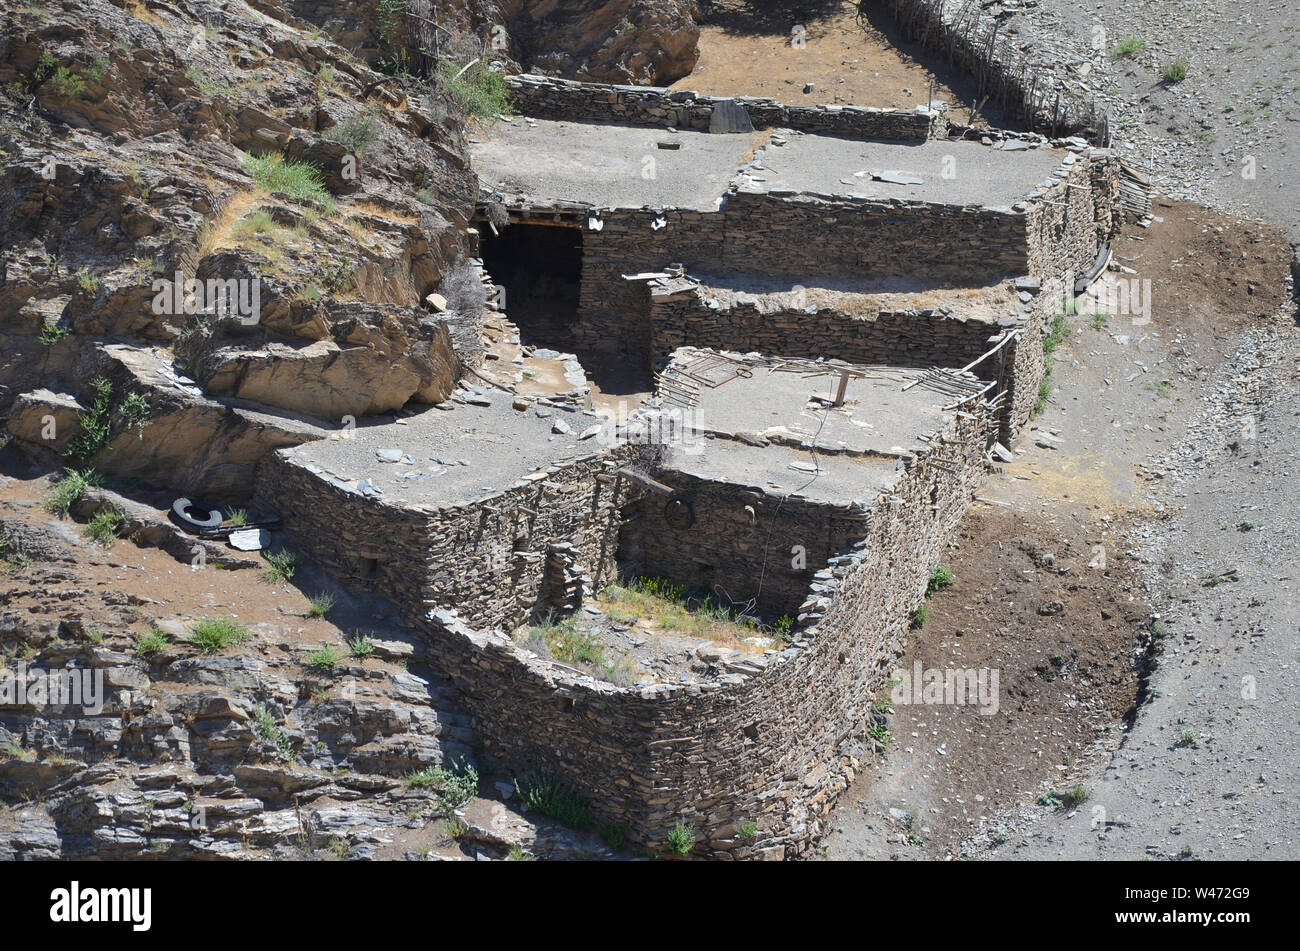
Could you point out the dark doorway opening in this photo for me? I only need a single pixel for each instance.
(540, 266)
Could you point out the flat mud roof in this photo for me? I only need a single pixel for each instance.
(881, 412)
(781, 470)
(765, 427)
(607, 165)
(454, 455)
(978, 174)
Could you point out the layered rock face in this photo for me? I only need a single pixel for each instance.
(641, 42)
(228, 218)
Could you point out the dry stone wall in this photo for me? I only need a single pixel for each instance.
(545, 97)
(773, 743)
(798, 238)
(486, 555)
(738, 534)
(682, 313)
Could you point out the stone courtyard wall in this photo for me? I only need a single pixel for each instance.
(773, 743)
(545, 97)
(682, 315)
(738, 534)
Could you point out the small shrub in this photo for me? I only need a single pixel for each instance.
(320, 604)
(1186, 736)
(552, 797)
(88, 281)
(280, 565)
(880, 733)
(69, 490)
(152, 641)
(237, 518)
(455, 786)
(478, 90)
(52, 334)
(919, 616)
(1174, 73)
(681, 839)
(456, 826)
(1077, 794)
(614, 835)
(96, 423)
(211, 635)
(361, 646)
(941, 576)
(67, 84)
(134, 412)
(356, 133)
(105, 525)
(748, 830)
(1050, 800)
(272, 732)
(325, 658)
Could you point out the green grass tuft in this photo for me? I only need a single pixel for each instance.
(105, 525)
(325, 658)
(300, 181)
(280, 566)
(153, 641)
(211, 635)
(1129, 46)
(320, 604)
(1174, 73)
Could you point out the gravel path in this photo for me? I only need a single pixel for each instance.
(1209, 768)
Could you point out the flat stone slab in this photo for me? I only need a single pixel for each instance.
(250, 539)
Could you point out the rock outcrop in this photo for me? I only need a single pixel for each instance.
(642, 42)
(231, 219)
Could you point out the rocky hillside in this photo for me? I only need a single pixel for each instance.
(161, 156)
(231, 226)
(646, 42)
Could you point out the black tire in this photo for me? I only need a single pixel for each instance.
(185, 513)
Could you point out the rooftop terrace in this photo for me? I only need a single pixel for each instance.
(978, 174)
(771, 419)
(451, 455)
(606, 166)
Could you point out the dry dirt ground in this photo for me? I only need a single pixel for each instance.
(1074, 640)
(848, 60)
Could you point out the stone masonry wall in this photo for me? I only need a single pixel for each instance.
(613, 313)
(544, 97)
(486, 556)
(798, 237)
(739, 533)
(803, 236)
(773, 745)
(682, 317)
